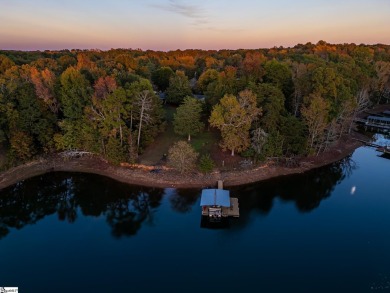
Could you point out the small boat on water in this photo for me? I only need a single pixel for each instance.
(384, 149)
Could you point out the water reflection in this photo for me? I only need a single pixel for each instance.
(385, 156)
(182, 200)
(285, 231)
(306, 190)
(124, 207)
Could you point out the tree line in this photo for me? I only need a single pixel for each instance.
(265, 103)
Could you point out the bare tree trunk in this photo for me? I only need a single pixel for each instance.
(313, 136)
(296, 101)
(131, 120)
(362, 102)
(132, 151)
(351, 123)
(139, 128)
(121, 133)
(104, 147)
(189, 137)
(145, 104)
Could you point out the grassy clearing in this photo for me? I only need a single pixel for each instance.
(203, 143)
(155, 152)
(169, 111)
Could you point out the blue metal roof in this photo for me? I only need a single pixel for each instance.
(217, 197)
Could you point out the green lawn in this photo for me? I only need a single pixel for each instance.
(202, 143)
(169, 111)
(155, 152)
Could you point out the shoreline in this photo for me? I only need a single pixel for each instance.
(170, 178)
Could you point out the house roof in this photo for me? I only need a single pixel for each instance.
(218, 197)
(383, 119)
(199, 97)
(386, 113)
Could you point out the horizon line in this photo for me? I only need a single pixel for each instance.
(188, 49)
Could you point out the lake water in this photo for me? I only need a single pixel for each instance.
(324, 231)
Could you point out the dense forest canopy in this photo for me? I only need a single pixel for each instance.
(266, 102)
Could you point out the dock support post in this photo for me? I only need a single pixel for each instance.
(220, 184)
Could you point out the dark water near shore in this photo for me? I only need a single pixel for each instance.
(324, 231)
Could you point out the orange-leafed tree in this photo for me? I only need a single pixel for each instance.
(44, 82)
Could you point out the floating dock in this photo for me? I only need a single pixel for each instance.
(379, 148)
(384, 149)
(217, 203)
(233, 210)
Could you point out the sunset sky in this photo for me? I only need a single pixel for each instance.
(183, 24)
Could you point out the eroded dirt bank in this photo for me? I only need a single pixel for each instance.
(170, 178)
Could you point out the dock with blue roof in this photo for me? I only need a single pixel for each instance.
(217, 203)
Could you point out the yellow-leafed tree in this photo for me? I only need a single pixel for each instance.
(233, 117)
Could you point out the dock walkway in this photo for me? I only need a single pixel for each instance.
(233, 210)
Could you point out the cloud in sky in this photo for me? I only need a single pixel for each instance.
(180, 24)
(191, 11)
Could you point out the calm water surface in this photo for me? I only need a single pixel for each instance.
(324, 231)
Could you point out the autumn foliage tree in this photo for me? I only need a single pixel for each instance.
(106, 111)
(207, 77)
(5, 63)
(27, 123)
(182, 157)
(22, 145)
(252, 66)
(44, 83)
(144, 103)
(233, 117)
(144, 111)
(316, 117)
(94, 100)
